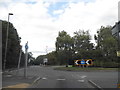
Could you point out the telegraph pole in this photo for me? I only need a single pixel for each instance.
(26, 59)
(19, 59)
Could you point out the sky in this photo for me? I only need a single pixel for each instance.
(39, 21)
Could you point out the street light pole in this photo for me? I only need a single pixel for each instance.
(6, 41)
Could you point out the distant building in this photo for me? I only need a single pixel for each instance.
(116, 30)
(116, 33)
(116, 27)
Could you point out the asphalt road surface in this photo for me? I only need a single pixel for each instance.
(49, 78)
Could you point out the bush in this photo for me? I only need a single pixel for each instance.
(110, 64)
(105, 64)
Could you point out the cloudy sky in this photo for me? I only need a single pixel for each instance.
(39, 21)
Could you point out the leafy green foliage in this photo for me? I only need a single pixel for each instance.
(52, 60)
(64, 45)
(13, 46)
(79, 46)
(39, 60)
(106, 46)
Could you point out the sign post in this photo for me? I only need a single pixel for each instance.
(83, 63)
(26, 57)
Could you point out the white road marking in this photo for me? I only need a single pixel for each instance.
(61, 79)
(44, 78)
(36, 80)
(94, 84)
(83, 76)
(81, 80)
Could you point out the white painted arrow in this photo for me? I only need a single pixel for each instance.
(87, 62)
(76, 62)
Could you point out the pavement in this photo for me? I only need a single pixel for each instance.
(46, 77)
(15, 79)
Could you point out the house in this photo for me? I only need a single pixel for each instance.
(116, 30)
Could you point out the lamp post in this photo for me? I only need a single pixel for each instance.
(6, 41)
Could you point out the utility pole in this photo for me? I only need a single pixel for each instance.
(46, 60)
(26, 59)
(6, 41)
(19, 59)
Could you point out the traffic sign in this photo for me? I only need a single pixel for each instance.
(84, 62)
(76, 62)
(26, 46)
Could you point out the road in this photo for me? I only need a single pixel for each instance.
(49, 78)
(46, 77)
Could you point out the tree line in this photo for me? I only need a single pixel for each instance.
(79, 46)
(13, 47)
(68, 48)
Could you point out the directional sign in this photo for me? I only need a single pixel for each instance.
(76, 62)
(26, 46)
(87, 62)
(84, 62)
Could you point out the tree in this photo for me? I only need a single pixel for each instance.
(31, 59)
(13, 48)
(64, 44)
(52, 59)
(82, 45)
(39, 59)
(106, 45)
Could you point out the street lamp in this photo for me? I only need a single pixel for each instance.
(6, 41)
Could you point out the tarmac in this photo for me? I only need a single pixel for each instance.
(11, 79)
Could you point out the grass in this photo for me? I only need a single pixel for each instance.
(85, 69)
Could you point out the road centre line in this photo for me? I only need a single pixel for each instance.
(61, 79)
(83, 76)
(44, 78)
(79, 76)
(81, 80)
